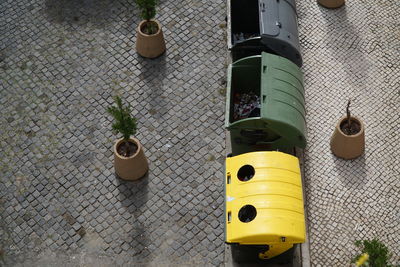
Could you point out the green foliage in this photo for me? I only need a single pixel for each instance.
(378, 253)
(124, 124)
(147, 8)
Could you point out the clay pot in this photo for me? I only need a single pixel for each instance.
(133, 167)
(331, 3)
(150, 46)
(348, 146)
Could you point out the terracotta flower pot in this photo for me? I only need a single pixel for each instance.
(348, 146)
(150, 46)
(331, 3)
(133, 167)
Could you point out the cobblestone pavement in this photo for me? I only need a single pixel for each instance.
(61, 62)
(352, 52)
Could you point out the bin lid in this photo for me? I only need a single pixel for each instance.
(278, 28)
(269, 18)
(264, 199)
(282, 112)
(282, 98)
(270, 23)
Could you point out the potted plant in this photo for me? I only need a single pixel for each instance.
(149, 36)
(373, 254)
(130, 163)
(331, 3)
(348, 139)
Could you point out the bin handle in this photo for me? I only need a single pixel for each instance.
(269, 142)
(256, 134)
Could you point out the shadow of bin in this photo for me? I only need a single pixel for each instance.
(263, 25)
(264, 212)
(273, 86)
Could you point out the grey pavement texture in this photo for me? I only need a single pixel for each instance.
(352, 52)
(61, 63)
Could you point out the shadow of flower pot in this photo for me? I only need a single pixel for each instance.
(352, 173)
(133, 194)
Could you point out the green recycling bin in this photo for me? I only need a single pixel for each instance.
(265, 108)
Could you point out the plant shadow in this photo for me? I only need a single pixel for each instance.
(134, 196)
(153, 74)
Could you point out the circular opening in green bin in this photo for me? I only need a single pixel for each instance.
(245, 173)
(247, 213)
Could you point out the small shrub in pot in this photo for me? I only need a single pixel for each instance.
(130, 162)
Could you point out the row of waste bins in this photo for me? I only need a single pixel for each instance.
(265, 116)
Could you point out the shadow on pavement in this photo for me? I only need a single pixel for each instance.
(133, 194)
(84, 11)
(352, 173)
(153, 73)
(340, 31)
(153, 70)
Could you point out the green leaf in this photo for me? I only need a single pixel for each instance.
(124, 123)
(378, 253)
(147, 8)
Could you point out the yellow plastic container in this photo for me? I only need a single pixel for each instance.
(264, 201)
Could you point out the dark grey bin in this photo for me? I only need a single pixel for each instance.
(267, 25)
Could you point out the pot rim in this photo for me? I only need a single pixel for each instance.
(324, 4)
(133, 140)
(144, 34)
(355, 118)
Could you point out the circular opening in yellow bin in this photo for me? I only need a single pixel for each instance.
(245, 173)
(247, 213)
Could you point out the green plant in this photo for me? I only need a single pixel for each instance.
(148, 12)
(373, 254)
(124, 123)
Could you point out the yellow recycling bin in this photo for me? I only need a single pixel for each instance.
(264, 202)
